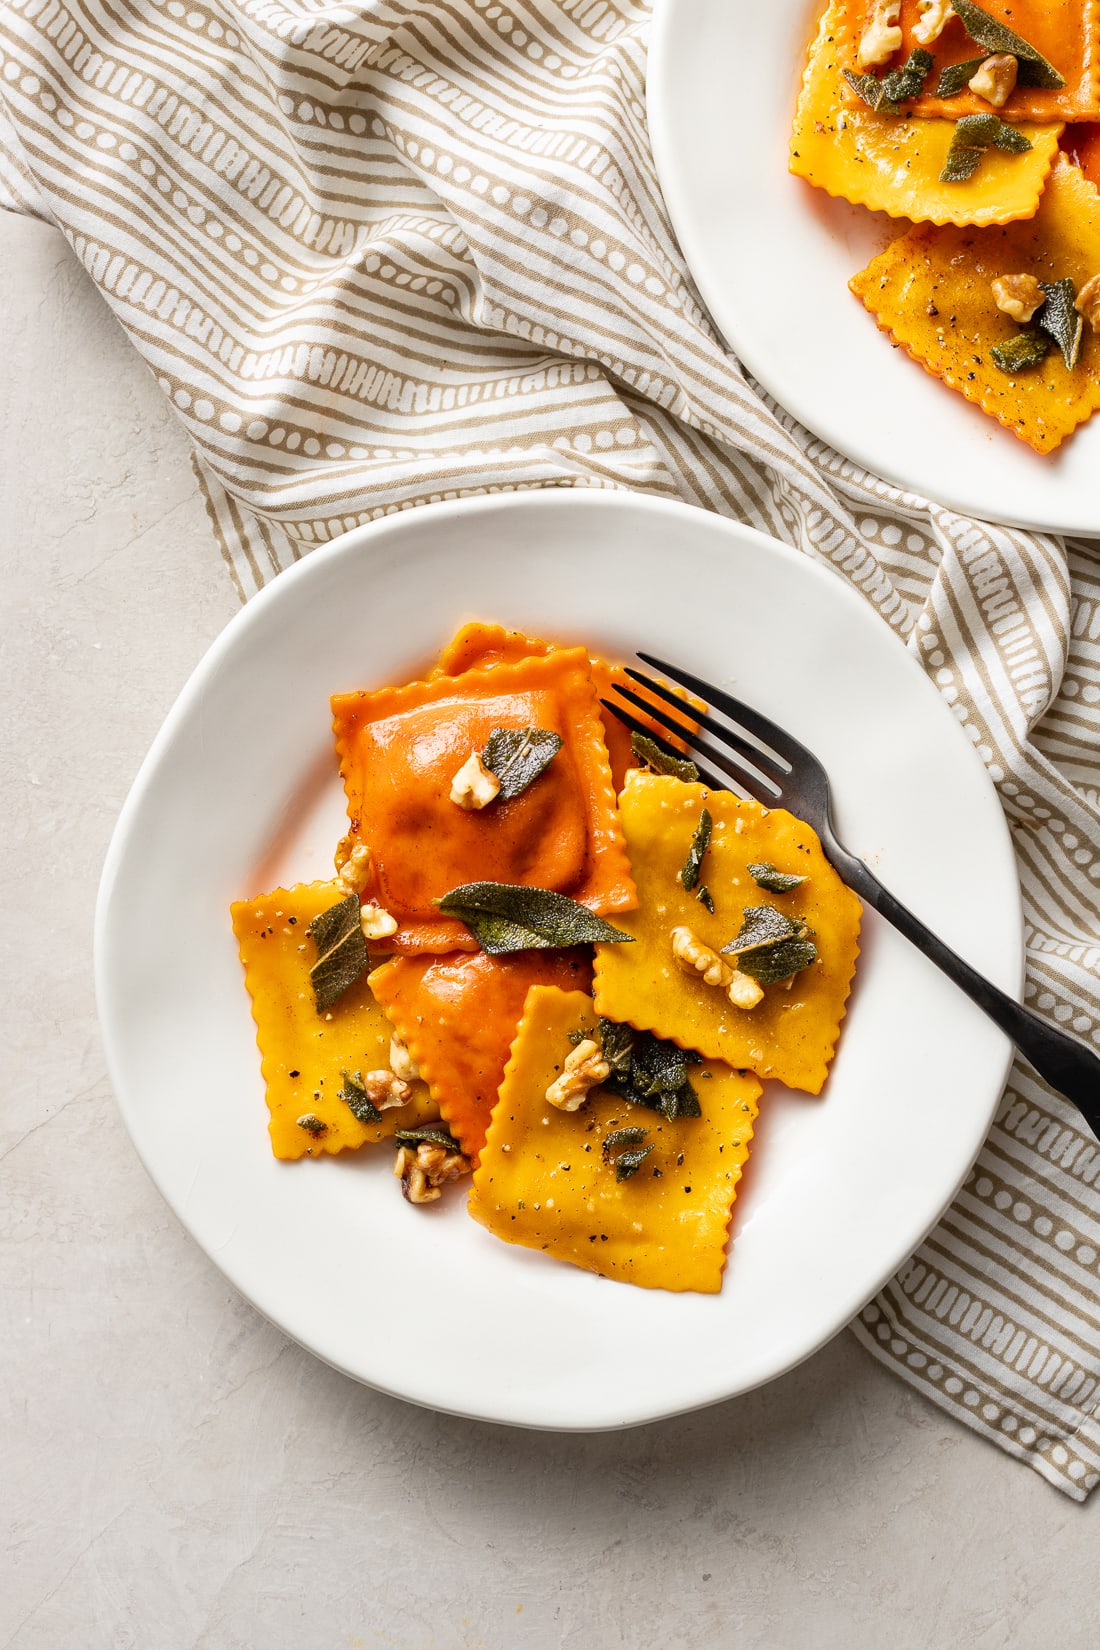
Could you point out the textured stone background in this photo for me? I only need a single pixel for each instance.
(174, 1474)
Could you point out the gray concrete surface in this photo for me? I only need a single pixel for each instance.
(174, 1474)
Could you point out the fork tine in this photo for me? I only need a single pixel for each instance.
(746, 780)
(635, 726)
(780, 741)
(732, 762)
(729, 736)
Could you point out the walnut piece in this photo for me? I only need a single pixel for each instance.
(995, 81)
(425, 1170)
(384, 1089)
(744, 992)
(376, 923)
(694, 956)
(584, 1068)
(353, 873)
(402, 1063)
(882, 37)
(474, 786)
(1087, 302)
(1017, 295)
(935, 16)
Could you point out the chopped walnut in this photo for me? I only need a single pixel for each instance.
(385, 1089)
(474, 786)
(1018, 296)
(1087, 302)
(743, 991)
(882, 37)
(695, 957)
(935, 16)
(376, 923)
(424, 1172)
(402, 1063)
(584, 1068)
(995, 81)
(354, 872)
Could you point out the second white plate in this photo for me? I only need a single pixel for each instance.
(240, 793)
(772, 257)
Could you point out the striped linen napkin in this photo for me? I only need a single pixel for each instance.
(387, 251)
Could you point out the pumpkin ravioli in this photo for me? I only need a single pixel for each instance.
(544, 1183)
(457, 1015)
(399, 751)
(790, 1035)
(304, 1054)
(893, 165)
(930, 291)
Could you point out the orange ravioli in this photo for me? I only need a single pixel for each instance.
(893, 165)
(543, 1181)
(399, 751)
(457, 1015)
(1082, 145)
(930, 291)
(1066, 32)
(791, 1035)
(304, 1054)
(488, 644)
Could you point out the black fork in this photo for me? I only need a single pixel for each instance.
(765, 762)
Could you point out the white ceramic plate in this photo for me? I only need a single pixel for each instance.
(239, 794)
(772, 258)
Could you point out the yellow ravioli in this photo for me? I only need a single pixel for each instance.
(930, 291)
(893, 165)
(791, 1035)
(304, 1053)
(543, 1181)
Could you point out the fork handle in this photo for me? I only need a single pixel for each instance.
(1067, 1065)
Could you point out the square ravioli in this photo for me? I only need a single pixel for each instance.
(400, 749)
(930, 291)
(1065, 32)
(791, 1033)
(479, 645)
(304, 1054)
(457, 1015)
(894, 165)
(545, 1181)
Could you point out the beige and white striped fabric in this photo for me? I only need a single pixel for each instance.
(384, 251)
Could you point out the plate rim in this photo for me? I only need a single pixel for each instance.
(362, 541)
(660, 101)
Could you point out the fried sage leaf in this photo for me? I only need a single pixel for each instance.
(617, 1047)
(624, 1148)
(990, 32)
(955, 77)
(435, 1134)
(341, 951)
(763, 925)
(776, 882)
(703, 895)
(973, 135)
(658, 761)
(355, 1098)
(770, 945)
(517, 756)
(700, 842)
(900, 86)
(504, 916)
(1026, 350)
(1060, 319)
(647, 1071)
(778, 962)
